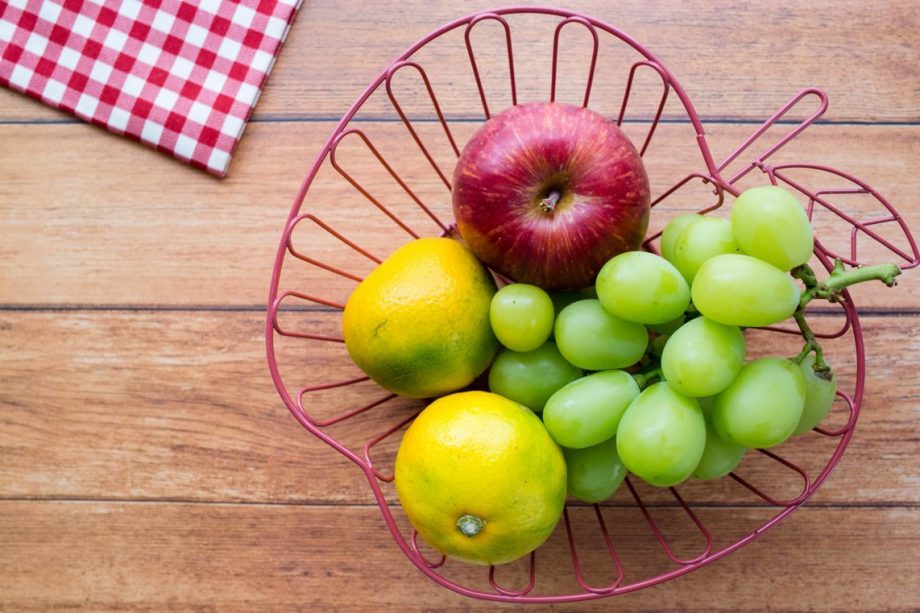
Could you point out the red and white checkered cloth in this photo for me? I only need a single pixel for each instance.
(182, 77)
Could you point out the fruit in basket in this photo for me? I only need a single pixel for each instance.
(531, 377)
(662, 435)
(672, 230)
(522, 316)
(587, 411)
(594, 473)
(418, 324)
(740, 290)
(769, 223)
(701, 240)
(820, 390)
(720, 456)
(480, 478)
(702, 357)
(763, 405)
(546, 193)
(592, 338)
(642, 287)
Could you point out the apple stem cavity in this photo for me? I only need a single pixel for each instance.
(470, 525)
(548, 204)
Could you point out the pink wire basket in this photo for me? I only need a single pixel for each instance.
(383, 176)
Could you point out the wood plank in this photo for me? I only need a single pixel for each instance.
(147, 557)
(734, 62)
(179, 405)
(133, 228)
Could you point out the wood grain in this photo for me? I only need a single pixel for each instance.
(146, 460)
(735, 62)
(131, 228)
(155, 405)
(141, 557)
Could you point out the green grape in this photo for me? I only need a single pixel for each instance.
(642, 287)
(720, 457)
(669, 326)
(662, 435)
(592, 338)
(769, 223)
(763, 405)
(705, 238)
(819, 396)
(672, 230)
(702, 357)
(521, 316)
(740, 290)
(531, 377)
(594, 473)
(588, 410)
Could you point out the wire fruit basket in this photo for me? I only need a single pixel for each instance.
(383, 175)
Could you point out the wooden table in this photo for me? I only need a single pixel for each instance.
(146, 461)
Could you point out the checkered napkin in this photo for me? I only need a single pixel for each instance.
(182, 77)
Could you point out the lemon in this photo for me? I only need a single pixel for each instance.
(480, 478)
(419, 323)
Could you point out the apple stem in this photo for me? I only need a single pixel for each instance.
(549, 203)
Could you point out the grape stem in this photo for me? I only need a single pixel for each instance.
(821, 368)
(647, 377)
(831, 289)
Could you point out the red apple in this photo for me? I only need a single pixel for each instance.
(546, 193)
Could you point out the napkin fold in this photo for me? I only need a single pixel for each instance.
(182, 77)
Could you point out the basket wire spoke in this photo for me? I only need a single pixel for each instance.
(472, 55)
(653, 525)
(415, 137)
(660, 72)
(386, 165)
(276, 325)
(532, 579)
(594, 50)
(611, 551)
(385, 477)
(338, 236)
(418, 552)
(806, 484)
(760, 160)
(851, 418)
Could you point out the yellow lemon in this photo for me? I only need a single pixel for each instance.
(480, 478)
(419, 323)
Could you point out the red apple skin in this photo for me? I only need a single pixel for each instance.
(516, 160)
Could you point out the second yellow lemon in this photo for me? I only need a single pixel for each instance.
(480, 478)
(419, 323)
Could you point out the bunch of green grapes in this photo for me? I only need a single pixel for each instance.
(648, 374)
